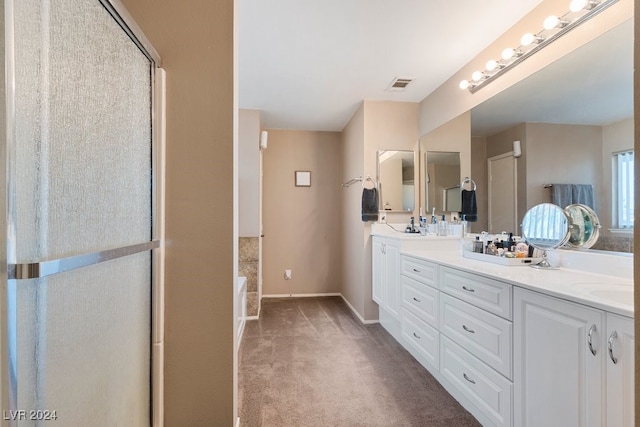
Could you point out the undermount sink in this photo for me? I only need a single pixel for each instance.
(613, 292)
(621, 296)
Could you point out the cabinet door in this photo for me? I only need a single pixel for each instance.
(558, 381)
(378, 271)
(391, 285)
(620, 374)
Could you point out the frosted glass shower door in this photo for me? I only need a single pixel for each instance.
(80, 202)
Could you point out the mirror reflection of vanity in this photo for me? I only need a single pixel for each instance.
(396, 169)
(442, 189)
(570, 118)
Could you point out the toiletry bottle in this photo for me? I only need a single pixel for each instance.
(433, 216)
(423, 225)
(477, 245)
(443, 227)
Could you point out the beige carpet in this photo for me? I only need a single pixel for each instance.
(310, 362)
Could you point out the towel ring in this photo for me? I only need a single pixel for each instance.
(373, 181)
(468, 180)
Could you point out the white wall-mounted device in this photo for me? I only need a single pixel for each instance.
(263, 139)
(517, 149)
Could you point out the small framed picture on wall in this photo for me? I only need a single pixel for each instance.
(303, 178)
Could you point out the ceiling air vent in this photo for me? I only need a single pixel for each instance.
(399, 84)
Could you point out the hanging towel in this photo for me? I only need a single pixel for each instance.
(469, 208)
(583, 194)
(369, 204)
(562, 195)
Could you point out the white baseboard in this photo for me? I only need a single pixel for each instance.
(238, 422)
(252, 318)
(365, 322)
(301, 295)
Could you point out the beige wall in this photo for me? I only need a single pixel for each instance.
(391, 176)
(387, 126)
(354, 240)
(442, 177)
(549, 155)
(502, 143)
(448, 101)
(552, 157)
(453, 136)
(197, 48)
(302, 225)
(248, 173)
(376, 125)
(479, 174)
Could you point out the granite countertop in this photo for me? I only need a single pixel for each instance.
(612, 293)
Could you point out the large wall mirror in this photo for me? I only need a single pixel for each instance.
(442, 176)
(572, 118)
(396, 171)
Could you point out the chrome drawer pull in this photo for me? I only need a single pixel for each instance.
(612, 337)
(416, 335)
(468, 289)
(468, 379)
(471, 331)
(592, 329)
(416, 299)
(416, 270)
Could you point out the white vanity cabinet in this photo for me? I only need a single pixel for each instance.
(419, 312)
(476, 343)
(558, 362)
(564, 371)
(511, 355)
(385, 274)
(620, 371)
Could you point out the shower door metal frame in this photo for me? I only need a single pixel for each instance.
(9, 269)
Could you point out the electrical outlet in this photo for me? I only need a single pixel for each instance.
(287, 275)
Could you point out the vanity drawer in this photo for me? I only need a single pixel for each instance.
(488, 294)
(421, 300)
(421, 340)
(484, 335)
(489, 391)
(420, 270)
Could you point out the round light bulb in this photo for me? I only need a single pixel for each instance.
(527, 39)
(491, 65)
(551, 22)
(508, 53)
(464, 84)
(578, 5)
(477, 76)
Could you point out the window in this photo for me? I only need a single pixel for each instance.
(623, 189)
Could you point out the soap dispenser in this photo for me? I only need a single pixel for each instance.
(443, 226)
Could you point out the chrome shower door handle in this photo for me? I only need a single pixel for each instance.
(592, 329)
(612, 337)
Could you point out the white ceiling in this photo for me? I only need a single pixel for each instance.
(592, 85)
(307, 64)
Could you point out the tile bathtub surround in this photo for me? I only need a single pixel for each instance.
(310, 362)
(248, 259)
(248, 249)
(250, 271)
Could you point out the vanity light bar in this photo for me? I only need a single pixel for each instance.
(553, 28)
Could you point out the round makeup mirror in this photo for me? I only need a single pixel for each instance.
(585, 226)
(547, 226)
